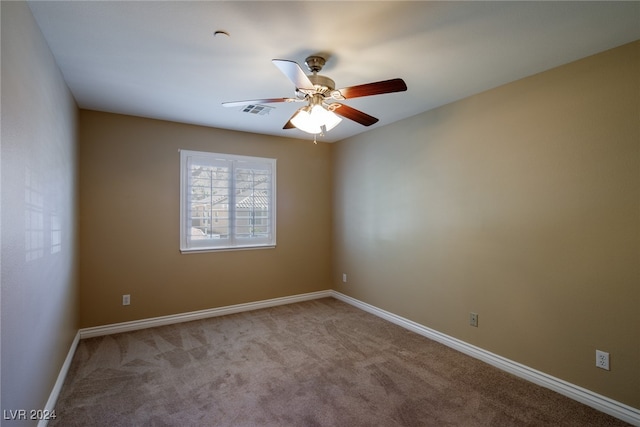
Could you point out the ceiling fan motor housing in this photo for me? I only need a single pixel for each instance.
(322, 83)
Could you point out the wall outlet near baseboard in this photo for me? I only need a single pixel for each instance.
(473, 319)
(344, 277)
(602, 359)
(126, 299)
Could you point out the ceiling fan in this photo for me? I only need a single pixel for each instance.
(323, 112)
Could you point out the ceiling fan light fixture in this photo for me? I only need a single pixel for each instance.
(315, 119)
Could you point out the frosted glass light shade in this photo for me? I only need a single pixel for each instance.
(312, 120)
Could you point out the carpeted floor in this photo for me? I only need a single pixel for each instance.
(316, 363)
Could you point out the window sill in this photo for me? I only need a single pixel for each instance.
(239, 248)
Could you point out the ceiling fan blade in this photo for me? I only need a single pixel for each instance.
(294, 73)
(290, 125)
(353, 114)
(377, 88)
(258, 101)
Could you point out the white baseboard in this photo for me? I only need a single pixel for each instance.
(601, 403)
(196, 315)
(594, 400)
(50, 406)
(160, 321)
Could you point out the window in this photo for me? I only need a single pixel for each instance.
(226, 201)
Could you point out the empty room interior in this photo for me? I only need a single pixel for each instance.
(480, 188)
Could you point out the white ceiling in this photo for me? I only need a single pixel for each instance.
(161, 59)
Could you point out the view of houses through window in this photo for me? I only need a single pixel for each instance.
(227, 201)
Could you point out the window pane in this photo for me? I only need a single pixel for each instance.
(210, 187)
(253, 201)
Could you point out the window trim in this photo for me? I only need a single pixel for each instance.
(185, 224)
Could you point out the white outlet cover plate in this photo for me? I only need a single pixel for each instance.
(602, 359)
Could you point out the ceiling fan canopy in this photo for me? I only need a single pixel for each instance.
(322, 109)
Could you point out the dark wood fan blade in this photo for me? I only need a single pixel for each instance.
(290, 125)
(353, 114)
(294, 73)
(377, 88)
(257, 101)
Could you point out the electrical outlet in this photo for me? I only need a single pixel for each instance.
(473, 319)
(126, 299)
(602, 359)
(344, 277)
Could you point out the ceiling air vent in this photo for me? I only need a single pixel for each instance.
(258, 109)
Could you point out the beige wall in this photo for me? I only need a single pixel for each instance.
(38, 211)
(520, 204)
(129, 222)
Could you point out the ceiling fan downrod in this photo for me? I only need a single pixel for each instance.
(315, 63)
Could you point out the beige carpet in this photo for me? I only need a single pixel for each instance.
(316, 363)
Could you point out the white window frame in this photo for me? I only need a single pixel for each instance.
(233, 240)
